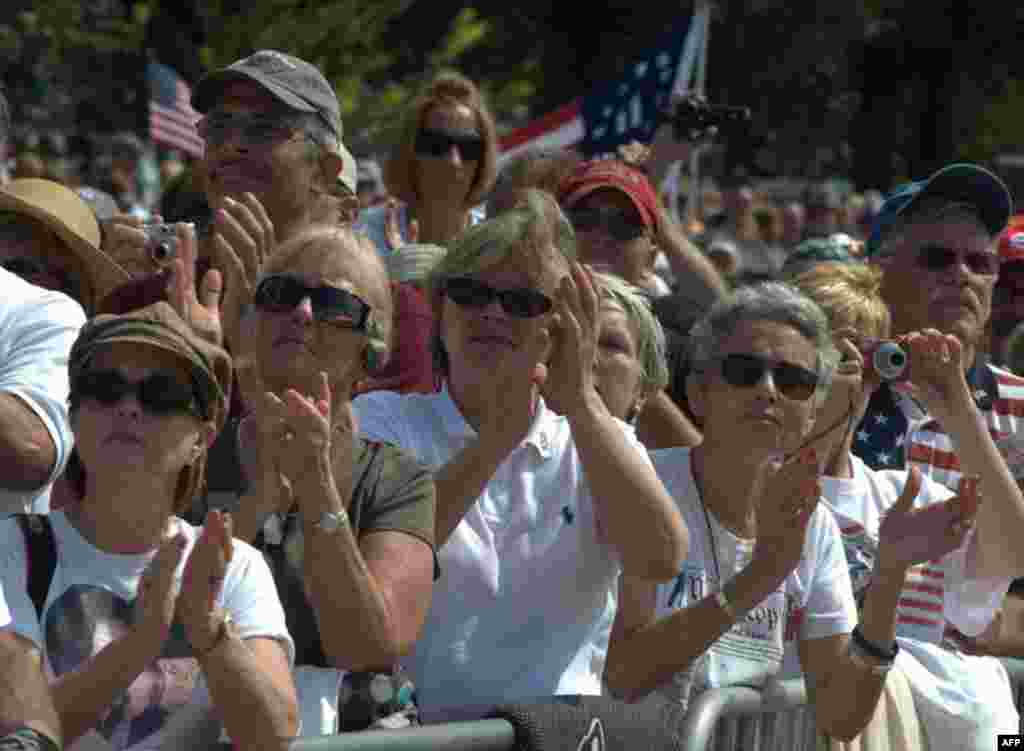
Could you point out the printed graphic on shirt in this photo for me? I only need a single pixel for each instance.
(81, 622)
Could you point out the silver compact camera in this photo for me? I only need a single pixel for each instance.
(161, 242)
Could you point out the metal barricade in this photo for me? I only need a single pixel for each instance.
(1015, 667)
(738, 717)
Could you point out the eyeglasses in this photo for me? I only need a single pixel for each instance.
(793, 382)
(281, 293)
(620, 225)
(158, 393)
(519, 303)
(256, 130)
(939, 258)
(438, 143)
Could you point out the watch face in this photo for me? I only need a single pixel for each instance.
(329, 522)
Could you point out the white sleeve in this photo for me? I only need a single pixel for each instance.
(970, 604)
(250, 596)
(831, 608)
(22, 618)
(5, 614)
(380, 417)
(35, 366)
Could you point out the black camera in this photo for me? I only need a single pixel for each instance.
(693, 118)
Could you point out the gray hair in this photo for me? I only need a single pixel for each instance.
(930, 211)
(767, 301)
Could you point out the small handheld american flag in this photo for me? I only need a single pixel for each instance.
(172, 121)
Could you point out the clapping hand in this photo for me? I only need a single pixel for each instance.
(909, 536)
(243, 240)
(201, 310)
(570, 385)
(789, 497)
(936, 370)
(203, 580)
(158, 592)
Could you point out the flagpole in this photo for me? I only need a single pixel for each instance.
(700, 84)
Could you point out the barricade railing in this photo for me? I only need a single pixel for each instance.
(776, 718)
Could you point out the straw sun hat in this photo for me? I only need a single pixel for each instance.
(61, 210)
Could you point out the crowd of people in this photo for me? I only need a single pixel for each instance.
(309, 445)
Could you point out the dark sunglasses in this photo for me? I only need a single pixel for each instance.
(519, 303)
(216, 128)
(940, 258)
(437, 143)
(281, 293)
(620, 225)
(793, 382)
(158, 393)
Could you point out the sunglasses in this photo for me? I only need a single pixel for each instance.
(158, 393)
(256, 130)
(793, 382)
(620, 225)
(519, 303)
(939, 258)
(281, 294)
(438, 144)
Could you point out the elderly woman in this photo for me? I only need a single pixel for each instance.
(538, 510)
(443, 167)
(346, 524)
(962, 701)
(147, 619)
(766, 567)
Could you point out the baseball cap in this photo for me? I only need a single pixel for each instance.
(293, 82)
(810, 253)
(1011, 242)
(959, 183)
(597, 174)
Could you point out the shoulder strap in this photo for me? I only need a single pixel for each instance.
(42, 557)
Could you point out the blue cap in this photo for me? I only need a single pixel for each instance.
(957, 183)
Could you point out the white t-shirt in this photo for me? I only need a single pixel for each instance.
(962, 700)
(37, 328)
(814, 601)
(90, 604)
(519, 610)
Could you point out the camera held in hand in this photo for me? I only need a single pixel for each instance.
(693, 118)
(886, 358)
(161, 243)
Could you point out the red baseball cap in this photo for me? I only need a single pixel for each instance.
(596, 174)
(1011, 241)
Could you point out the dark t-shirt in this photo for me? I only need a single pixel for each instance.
(391, 492)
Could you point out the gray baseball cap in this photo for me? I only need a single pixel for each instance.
(293, 82)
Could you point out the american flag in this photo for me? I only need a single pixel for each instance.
(172, 121)
(622, 110)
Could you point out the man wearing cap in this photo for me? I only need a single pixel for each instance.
(935, 241)
(1008, 296)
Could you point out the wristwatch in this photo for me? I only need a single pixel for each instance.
(331, 521)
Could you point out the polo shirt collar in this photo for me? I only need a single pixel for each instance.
(541, 435)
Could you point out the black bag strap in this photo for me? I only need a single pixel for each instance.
(42, 557)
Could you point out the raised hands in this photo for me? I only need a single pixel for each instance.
(200, 309)
(203, 579)
(909, 536)
(570, 385)
(789, 496)
(393, 226)
(243, 240)
(937, 371)
(158, 592)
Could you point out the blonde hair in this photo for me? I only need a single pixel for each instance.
(325, 243)
(651, 347)
(451, 89)
(850, 294)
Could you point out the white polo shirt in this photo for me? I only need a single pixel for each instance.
(37, 328)
(517, 613)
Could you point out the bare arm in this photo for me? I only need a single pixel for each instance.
(686, 260)
(371, 596)
(25, 699)
(27, 450)
(647, 531)
(461, 482)
(644, 653)
(251, 686)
